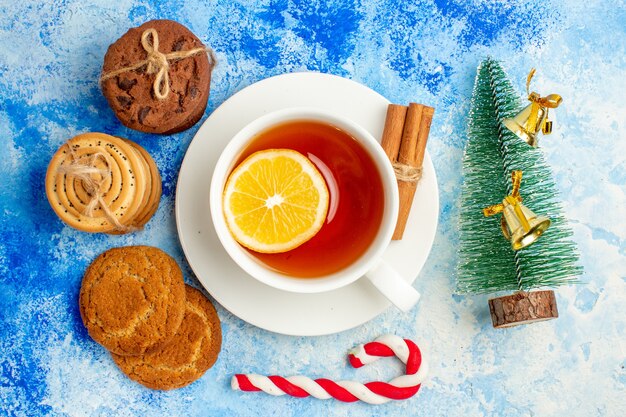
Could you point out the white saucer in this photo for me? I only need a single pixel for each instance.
(256, 303)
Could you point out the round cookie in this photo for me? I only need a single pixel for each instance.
(144, 172)
(132, 299)
(187, 356)
(130, 94)
(87, 157)
(154, 195)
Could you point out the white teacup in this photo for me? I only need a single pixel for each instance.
(369, 264)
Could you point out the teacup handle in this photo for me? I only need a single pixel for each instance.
(393, 286)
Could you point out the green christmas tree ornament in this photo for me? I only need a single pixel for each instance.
(536, 250)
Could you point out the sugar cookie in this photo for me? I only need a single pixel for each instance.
(132, 299)
(192, 351)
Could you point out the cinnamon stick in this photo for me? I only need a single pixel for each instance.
(408, 146)
(424, 131)
(392, 133)
(407, 155)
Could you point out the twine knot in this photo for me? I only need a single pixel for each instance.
(85, 172)
(159, 62)
(156, 63)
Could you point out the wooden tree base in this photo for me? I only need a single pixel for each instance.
(522, 308)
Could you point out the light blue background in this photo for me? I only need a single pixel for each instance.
(50, 57)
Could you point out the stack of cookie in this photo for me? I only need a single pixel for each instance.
(101, 183)
(161, 333)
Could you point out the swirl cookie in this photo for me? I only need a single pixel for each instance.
(192, 351)
(100, 183)
(132, 299)
(155, 189)
(157, 77)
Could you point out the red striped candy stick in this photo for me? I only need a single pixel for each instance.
(375, 392)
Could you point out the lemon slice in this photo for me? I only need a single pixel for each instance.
(275, 200)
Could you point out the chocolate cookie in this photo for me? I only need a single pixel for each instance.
(187, 356)
(132, 64)
(132, 299)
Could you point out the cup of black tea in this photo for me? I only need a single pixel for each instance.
(361, 214)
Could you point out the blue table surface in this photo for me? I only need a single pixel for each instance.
(50, 57)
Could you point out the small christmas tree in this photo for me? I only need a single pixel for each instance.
(487, 261)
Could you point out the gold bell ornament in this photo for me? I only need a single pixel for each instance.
(534, 117)
(518, 223)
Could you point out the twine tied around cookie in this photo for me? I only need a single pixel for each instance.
(84, 172)
(407, 173)
(159, 63)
